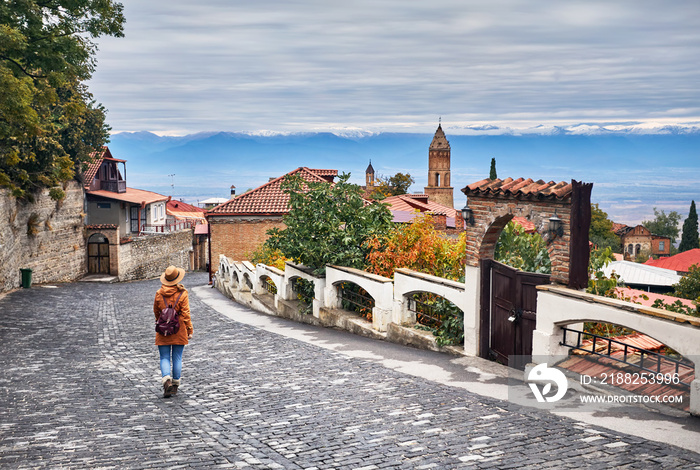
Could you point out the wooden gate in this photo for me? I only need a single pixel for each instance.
(508, 309)
(98, 254)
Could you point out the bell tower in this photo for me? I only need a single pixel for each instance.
(369, 176)
(439, 189)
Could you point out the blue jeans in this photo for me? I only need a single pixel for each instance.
(165, 352)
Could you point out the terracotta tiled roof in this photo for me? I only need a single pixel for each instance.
(182, 210)
(328, 175)
(520, 188)
(636, 295)
(134, 196)
(180, 206)
(619, 229)
(269, 198)
(408, 203)
(404, 207)
(680, 263)
(94, 166)
(526, 225)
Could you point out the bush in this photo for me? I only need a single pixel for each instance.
(420, 247)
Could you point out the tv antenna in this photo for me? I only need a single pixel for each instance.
(172, 181)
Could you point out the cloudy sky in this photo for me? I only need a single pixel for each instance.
(398, 65)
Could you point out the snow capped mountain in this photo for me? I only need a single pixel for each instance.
(634, 166)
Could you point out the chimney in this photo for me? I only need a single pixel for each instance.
(233, 191)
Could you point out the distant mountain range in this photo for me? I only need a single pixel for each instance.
(632, 171)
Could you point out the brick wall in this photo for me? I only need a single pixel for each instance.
(147, 256)
(56, 252)
(237, 237)
(491, 215)
(656, 246)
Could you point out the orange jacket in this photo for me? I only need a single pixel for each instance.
(183, 308)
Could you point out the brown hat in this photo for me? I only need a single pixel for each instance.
(172, 276)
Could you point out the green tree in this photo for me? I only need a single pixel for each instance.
(689, 285)
(328, 224)
(492, 172)
(600, 232)
(523, 251)
(690, 239)
(664, 224)
(392, 185)
(48, 119)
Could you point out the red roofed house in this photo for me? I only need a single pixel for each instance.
(639, 239)
(110, 201)
(181, 211)
(116, 217)
(239, 226)
(680, 263)
(405, 207)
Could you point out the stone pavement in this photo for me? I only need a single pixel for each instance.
(80, 388)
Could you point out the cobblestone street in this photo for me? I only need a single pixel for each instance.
(80, 388)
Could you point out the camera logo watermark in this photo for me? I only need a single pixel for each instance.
(547, 376)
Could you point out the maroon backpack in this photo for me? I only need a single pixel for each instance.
(168, 322)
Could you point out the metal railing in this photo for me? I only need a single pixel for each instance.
(269, 285)
(425, 313)
(168, 228)
(646, 358)
(355, 299)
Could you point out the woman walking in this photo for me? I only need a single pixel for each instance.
(172, 293)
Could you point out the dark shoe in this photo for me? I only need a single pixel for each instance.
(174, 386)
(167, 387)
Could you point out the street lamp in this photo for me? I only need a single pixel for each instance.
(468, 215)
(556, 226)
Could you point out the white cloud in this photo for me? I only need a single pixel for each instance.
(396, 65)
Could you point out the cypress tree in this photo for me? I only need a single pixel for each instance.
(492, 173)
(690, 239)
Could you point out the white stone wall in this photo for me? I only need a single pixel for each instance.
(558, 307)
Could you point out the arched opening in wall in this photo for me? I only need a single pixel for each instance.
(269, 285)
(633, 361)
(305, 293)
(235, 279)
(437, 179)
(514, 260)
(521, 247)
(355, 299)
(439, 316)
(446, 180)
(98, 254)
(248, 283)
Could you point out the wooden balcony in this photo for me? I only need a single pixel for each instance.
(113, 186)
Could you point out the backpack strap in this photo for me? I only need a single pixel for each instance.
(175, 304)
(177, 300)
